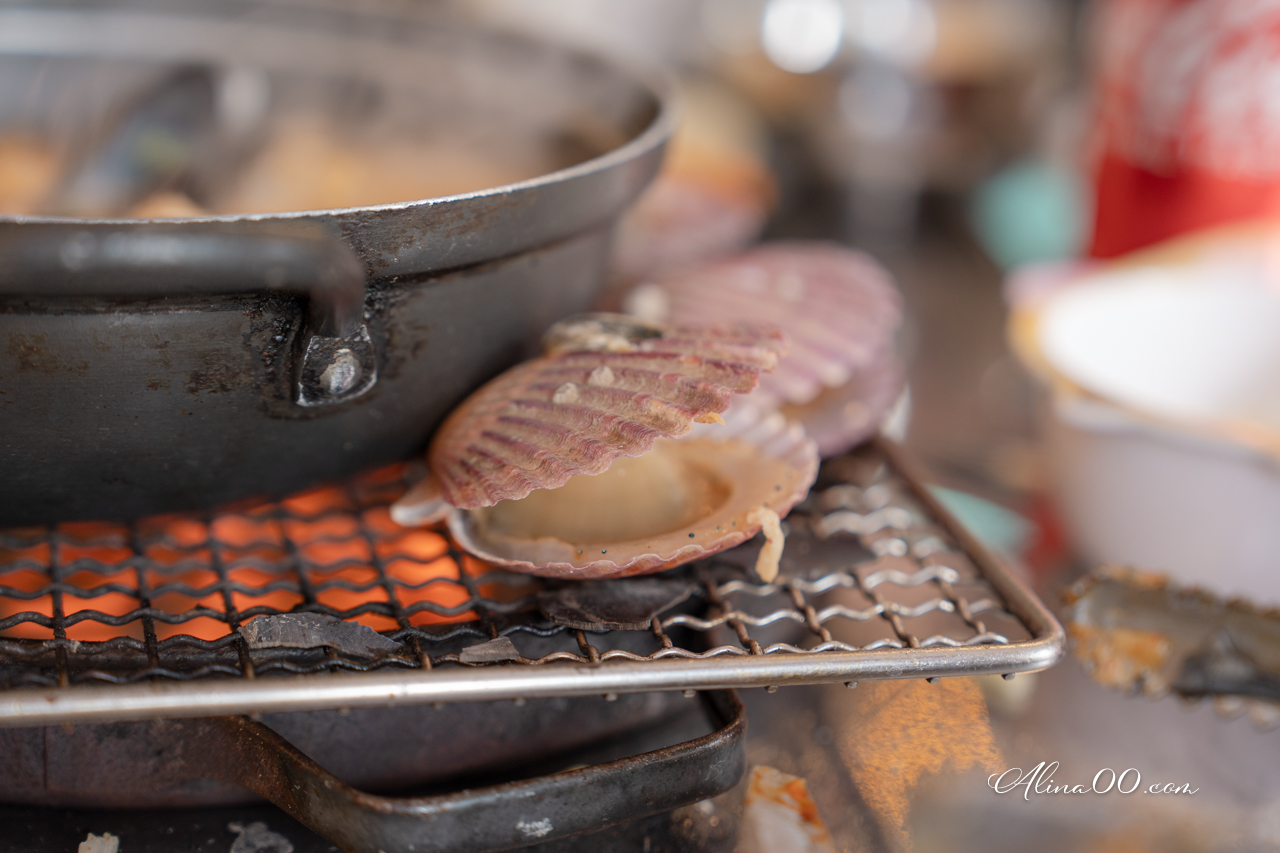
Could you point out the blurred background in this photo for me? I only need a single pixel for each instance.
(1074, 199)
(945, 138)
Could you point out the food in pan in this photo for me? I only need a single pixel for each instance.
(302, 165)
(28, 169)
(307, 165)
(840, 311)
(585, 462)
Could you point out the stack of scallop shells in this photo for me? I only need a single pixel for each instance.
(839, 309)
(583, 463)
(636, 444)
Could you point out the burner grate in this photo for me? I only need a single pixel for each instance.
(102, 621)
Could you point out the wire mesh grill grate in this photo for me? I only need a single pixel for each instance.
(868, 566)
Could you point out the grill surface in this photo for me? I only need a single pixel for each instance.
(102, 621)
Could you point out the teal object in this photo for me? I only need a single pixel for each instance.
(997, 528)
(1030, 212)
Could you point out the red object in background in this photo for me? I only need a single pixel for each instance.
(1188, 118)
(1050, 548)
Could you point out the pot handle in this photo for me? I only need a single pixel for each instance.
(502, 817)
(153, 260)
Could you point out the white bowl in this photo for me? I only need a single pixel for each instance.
(1166, 342)
(1164, 418)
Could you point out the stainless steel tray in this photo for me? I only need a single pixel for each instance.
(877, 582)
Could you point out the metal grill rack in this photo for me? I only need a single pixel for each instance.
(103, 621)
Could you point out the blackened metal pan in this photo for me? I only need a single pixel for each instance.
(141, 371)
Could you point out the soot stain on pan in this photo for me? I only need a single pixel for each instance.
(271, 319)
(381, 298)
(429, 226)
(275, 323)
(215, 378)
(274, 320)
(33, 353)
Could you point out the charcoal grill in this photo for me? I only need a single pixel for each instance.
(867, 531)
(102, 623)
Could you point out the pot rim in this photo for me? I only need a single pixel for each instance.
(643, 149)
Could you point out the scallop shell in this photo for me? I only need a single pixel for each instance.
(841, 417)
(839, 310)
(768, 462)
(614, 387)
(610, 388)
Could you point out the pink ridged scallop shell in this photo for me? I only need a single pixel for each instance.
(764, 428)
(837, 306)
(754, 419)
(846, 416)
(575, 411)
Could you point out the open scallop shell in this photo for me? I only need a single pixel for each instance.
(840, 311)
(697, 495)
(519, 468)
(610, 387)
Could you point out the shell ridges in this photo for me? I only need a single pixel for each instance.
(575, 411)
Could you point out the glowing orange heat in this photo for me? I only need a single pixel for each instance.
(273, 557)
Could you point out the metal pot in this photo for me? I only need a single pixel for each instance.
(149, 367)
